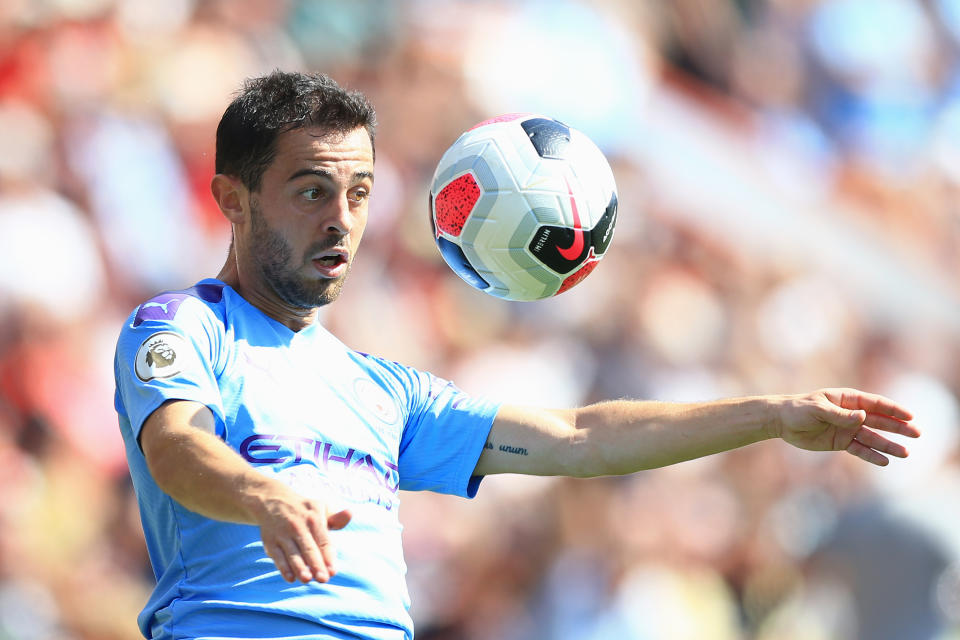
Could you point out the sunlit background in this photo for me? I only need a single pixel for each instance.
(789, 176)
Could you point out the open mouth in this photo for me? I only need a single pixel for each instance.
(331, 264)
(330, 261)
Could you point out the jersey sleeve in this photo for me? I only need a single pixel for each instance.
(169, 355)
(443, 436)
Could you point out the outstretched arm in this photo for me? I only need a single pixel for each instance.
(624, 436)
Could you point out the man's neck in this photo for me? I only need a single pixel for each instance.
(294, 318)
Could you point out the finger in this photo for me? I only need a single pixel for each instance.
(298, 567)
(339, 520)
(892, 425)
(279, 559)
(321, 539)
(877, 442)
(868, 454)
(312, 557)
(846, 418)
(869, 402)
(855, 417)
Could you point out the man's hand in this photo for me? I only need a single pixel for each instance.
(295, 533)
(844, 420)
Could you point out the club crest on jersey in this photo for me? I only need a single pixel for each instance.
(162, 355)
(376, 400)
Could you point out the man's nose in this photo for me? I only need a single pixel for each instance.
(340, 219)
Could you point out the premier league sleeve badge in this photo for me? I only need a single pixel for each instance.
(162, 355)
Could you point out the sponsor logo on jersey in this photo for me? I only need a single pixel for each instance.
(162, 355)
(358, 477)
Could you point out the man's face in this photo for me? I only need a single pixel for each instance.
(308, 216)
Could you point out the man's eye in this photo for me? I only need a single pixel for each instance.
(312, 194)
(359, 195)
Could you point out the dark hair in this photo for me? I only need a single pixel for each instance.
(270, 105)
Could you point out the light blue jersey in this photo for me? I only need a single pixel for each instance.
(347, 428)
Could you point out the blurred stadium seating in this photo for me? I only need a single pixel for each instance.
(789, 173)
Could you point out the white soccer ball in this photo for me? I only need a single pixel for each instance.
(523, 207)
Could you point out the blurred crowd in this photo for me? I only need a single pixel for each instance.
(789, 176)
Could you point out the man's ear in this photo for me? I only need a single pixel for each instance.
(231, 196)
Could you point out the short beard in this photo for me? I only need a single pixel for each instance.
(274, 257)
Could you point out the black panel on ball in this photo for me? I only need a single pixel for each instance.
(550, 244)
(602, 233)
(457, 260)
(549, 137)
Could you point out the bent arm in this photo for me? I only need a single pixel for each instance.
(624, 436)
(201, 472)
(197, 469)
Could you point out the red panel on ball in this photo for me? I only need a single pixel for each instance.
(579, 274)
(507, 117)
(454, 203)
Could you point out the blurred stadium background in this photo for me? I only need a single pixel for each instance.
(789, 173)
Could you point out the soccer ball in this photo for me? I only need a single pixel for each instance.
(523, 207)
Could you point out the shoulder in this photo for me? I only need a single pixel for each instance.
(173, 332)
(203, 300)
(175, 318)
(403, 380)
(409, 381)
(384, 366)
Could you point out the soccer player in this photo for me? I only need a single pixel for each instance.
(267, 456)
